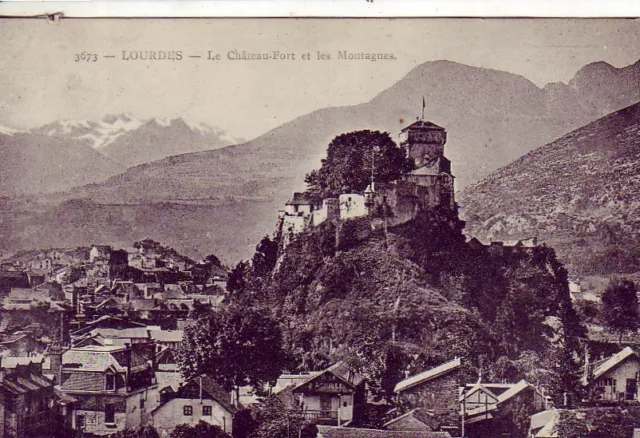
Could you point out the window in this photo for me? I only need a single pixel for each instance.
(110, 382)
(187, 410)
(206, 411)
(80, 422)
(141, 403)
(344, 404)
(109, 414)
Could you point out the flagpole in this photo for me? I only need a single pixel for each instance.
(423, 105)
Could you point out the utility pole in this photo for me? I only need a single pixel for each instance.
(464, 408)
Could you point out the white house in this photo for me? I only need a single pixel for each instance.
(616, 379)
(200, 399)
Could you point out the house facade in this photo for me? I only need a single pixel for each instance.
(114, 386)
(26, 399)
(436, 392)
(333, 396)
(489, 414)
(616, 378)
(200, 399)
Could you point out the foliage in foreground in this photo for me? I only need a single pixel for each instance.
(236, 346)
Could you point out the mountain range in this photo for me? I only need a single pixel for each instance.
(132, 141)
(36, 163)
(71, 153)
(580, 194)
(224, 200)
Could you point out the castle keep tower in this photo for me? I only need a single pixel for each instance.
(424, 142)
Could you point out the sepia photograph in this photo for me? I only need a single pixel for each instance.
(319, 227)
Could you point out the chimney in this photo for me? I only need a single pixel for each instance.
(128, 355)
(54, 352)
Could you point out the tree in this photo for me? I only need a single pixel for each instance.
(237, 281)
(277, 420)
(564, 384)
(141, 432)
(200, 430)
(265, 257)
(236, 346)
(348, 166)
(620, 306)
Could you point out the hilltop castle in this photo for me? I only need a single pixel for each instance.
(427, 187)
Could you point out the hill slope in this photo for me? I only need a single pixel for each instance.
(580, 193)
(32, 163)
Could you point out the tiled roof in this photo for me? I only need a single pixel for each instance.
(83, 382)
(352, 432)
(299, 198)
(93, 358)
(218, 393)
(191, 388)
(166, 335)
(127, 333)
(428, 375)
(64, 398)
(341, 370)
(12, 362)
(546, 421)
(22, 385)
(418, 414)
(169, 379)
(424, 124)
(514, 390)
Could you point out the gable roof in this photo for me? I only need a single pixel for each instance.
(169, 379)
(613, 361)
(516, 389)
(478, 387)
(126, 333)
(166, 335)
(420, 415)
(13, 362)
(209, 386)
(428, 375)
(299, 198)
(546, 422)
(340, 370)
(424, 125)
(93, 358)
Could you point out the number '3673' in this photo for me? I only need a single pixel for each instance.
(86, 57)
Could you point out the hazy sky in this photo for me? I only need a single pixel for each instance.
(40, 81)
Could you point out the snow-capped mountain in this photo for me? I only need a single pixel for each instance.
(132, 141)
(97, 133)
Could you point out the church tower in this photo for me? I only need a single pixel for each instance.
(424, 142)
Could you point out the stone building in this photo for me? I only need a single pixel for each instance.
(436, 393)
(114, 386)
(429, 186)
(26, 399)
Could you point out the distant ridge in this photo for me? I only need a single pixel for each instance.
(224, 200)
(131, 141)
(580, 194)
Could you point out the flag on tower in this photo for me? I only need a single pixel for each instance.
(423, 105)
